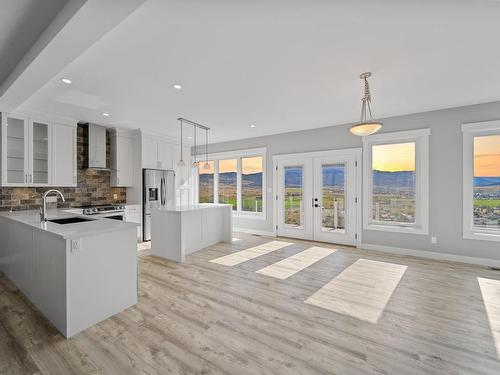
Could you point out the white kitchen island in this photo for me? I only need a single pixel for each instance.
(177, 232)
(76, 274)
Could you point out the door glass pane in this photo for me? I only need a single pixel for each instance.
(40, 153)
(15, 150)
(228, 170)
(251, 184)
(393, 171)
(333, 198)
(293, 196)
(487, 181)
(206, 182)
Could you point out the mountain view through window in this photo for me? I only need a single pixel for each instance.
(393, 173)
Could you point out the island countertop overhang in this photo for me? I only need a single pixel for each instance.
(89, 228)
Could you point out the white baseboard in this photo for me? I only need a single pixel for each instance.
(432, 255)
(253, 231)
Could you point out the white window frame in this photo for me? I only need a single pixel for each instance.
(471, 130)
(238, 155)
(421, 139)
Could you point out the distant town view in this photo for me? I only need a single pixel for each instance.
(487, 181)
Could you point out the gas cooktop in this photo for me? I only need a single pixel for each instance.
(90, 210)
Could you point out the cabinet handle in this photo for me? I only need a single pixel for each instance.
(26, 178)
(31, 178)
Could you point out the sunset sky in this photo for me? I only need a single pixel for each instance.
(394, 157)
(248, 166)
(487, 156)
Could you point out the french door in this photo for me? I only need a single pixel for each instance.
(317, 196)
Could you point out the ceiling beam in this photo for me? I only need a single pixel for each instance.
(79, 25)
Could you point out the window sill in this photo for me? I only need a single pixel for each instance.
(481, 236)
(396, 229)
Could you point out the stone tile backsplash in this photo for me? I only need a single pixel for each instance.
(93, 188)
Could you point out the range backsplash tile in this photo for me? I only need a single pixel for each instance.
(94, 186)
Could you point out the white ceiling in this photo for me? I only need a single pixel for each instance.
(21, 22)
(281, 65)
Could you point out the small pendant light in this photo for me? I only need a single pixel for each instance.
(366, 126)
(181, 163)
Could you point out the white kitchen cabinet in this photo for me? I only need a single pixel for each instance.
(122, 156)
(64, 163)
(133, 214)
(149, 152)
(165, 155)
(157, 153)
(36, 152)
(26, 151)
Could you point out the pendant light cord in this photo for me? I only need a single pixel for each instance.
(366, 100)
(181, 140)
(206, 145)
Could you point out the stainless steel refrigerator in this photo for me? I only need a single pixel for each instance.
(158, 190)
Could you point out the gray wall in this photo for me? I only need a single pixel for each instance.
(445, 198)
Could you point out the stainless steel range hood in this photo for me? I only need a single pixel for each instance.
(96, 151)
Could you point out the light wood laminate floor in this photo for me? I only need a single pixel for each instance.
(380, 314)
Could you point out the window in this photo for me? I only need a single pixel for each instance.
(251, 184)
(482, 180)
(294, 193)
(206, 182)
(228, 172)
(237, 178)
(393, 183)
(396, 175)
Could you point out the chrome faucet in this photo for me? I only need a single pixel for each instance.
(43, 209)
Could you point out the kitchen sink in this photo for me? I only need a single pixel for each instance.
(70, 220)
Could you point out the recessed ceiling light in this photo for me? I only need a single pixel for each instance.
(177, 86)
(252, 126)
(66, 81)
(105, 114)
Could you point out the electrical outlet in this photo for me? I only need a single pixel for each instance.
(115, 196)
(51, 199)
(76, 245)
(434, 240)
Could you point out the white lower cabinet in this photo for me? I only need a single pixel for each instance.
(133, 214)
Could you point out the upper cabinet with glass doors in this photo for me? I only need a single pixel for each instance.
(28, 148)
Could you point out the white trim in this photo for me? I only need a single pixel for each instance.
(421, 139)
(300, 155)
(471, 130)
(397, 136)
(432, 255)
(238, 153)
(253, 231)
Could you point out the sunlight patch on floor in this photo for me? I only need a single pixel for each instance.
(236, 239)
(490, 290)
(251, 253)
(291, 265)
(362, 290)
